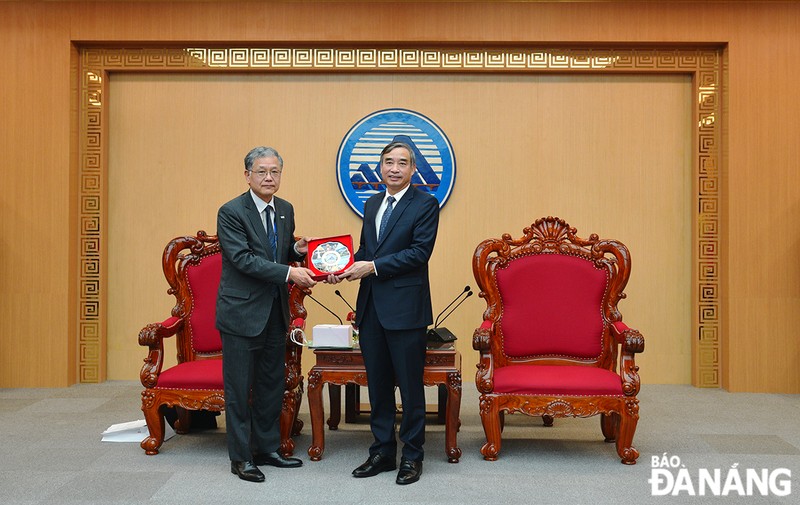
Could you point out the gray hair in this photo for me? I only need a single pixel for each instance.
(261, 152)
(395, 145)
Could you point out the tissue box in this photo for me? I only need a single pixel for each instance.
(332, 336)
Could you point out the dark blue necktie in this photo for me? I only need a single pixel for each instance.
(385, 218)
(272, 233)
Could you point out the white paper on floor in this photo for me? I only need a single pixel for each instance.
(132, 431)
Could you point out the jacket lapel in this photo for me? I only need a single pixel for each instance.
(255, 221)
(370, 211)
(401, 206)
(281, 225)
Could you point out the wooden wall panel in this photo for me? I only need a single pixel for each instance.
(759, 176)
(35, 207)
(763, 200)
(612, 155)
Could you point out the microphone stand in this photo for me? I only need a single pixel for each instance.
(443, 335)
(436, 323)
(326, 308)
(454, 309)
(339, 294)
(352, 313)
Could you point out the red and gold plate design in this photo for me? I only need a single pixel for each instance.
(330, 255)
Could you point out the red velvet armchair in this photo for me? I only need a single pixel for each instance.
(552, 335)
(193, 266)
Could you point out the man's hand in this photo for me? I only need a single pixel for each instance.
(333, 279)
(357, 270)
(301, 246)
(302, 276)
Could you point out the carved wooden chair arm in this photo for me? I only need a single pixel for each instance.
(482, 342)
(481, 337)
(153, 336)
(632, 342)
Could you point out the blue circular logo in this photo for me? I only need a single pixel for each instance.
(358, 162)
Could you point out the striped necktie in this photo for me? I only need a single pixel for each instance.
(386, 215)
(272, 233)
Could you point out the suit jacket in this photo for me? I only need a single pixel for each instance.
(401, 290)
(250, 278)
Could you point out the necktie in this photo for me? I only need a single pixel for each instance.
(272, 236)
(386, 215)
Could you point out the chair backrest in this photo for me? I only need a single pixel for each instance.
(552, 295)
(193, 267)
(203, 280)
(552, 305)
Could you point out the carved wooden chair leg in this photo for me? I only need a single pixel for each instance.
(288, 414)
(625, 449)
(490, 418)
(609, 424)
(547, 420)
(297, 425)
(502, 416)
(155, 424)
(183, 424)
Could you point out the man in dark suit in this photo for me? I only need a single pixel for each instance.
(394, 309)
(256, 234)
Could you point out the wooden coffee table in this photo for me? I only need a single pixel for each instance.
(341, 367)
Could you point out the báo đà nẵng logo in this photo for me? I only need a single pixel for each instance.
(670, 476)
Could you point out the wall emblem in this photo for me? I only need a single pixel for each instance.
(358, 160)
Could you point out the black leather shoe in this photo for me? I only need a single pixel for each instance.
(409, 471)
(374, 465)
(275, 459)
(246, 470)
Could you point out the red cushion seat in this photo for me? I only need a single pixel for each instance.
(201, 374)
(548, 380)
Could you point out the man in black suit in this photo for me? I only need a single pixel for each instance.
(256, 234)
(394, 309)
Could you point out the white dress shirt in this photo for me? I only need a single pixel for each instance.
(382, 209)
(261, 205)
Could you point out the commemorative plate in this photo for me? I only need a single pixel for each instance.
(330, 255)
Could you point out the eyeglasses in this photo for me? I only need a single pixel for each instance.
(260, 174)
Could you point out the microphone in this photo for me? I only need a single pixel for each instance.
(444, 335)
(454, 308)
(466, 288)
(339, 294)
(326, 308)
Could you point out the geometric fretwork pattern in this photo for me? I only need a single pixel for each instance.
(705, 65)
